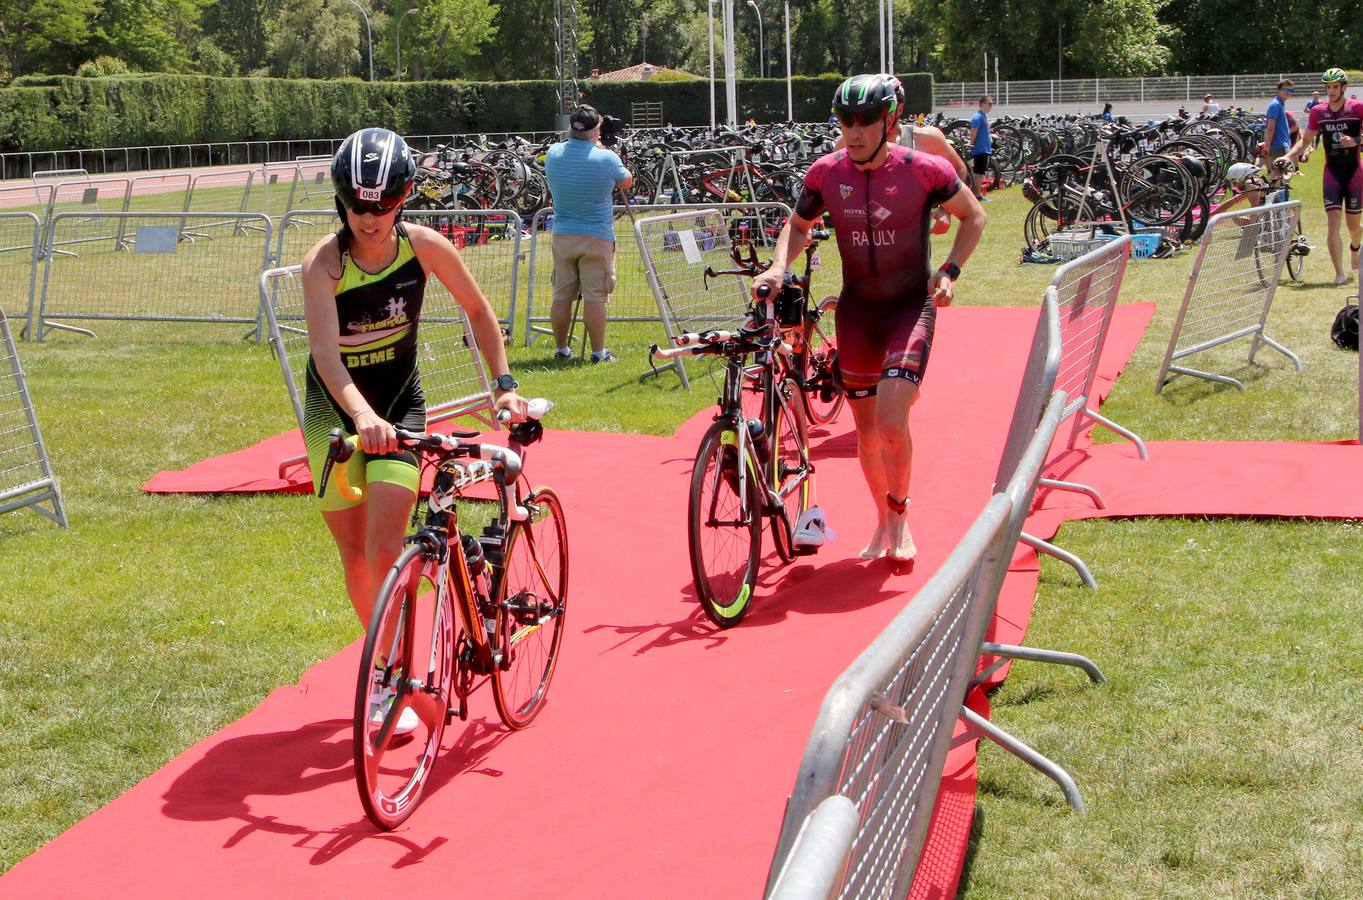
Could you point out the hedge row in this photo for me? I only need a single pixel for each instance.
(61, 112)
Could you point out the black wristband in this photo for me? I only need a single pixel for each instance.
(953, 271)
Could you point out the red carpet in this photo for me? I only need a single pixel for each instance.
(661, 765)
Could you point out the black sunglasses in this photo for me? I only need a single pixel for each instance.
(375, 207)
(861, 117)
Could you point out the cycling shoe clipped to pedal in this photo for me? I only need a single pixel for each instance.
(811, 531)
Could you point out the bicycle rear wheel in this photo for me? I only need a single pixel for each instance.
(789, 467)
(724, 528)
(531, 599)
(823, 395)
(407, 664)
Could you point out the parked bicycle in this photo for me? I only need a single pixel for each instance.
(1248, 183)
(456, 611)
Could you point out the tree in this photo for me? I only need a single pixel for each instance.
(1114, 38)
(450, 33)
(320, 39)
(45, 34)
(239, 27)
(151, 35)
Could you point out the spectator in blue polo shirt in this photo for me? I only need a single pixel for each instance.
(582, 177)
(981, 145)
(1277, 132)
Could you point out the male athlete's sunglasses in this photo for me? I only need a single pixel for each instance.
(375, 207)
(861, 117)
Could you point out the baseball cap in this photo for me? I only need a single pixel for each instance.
(584, 119)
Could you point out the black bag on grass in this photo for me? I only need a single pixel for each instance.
(1344, 331)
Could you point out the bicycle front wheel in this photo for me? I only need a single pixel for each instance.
(724, 526)
(403, 692)
(531, 599)
(1296, 254)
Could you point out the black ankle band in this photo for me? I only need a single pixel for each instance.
(896, 506)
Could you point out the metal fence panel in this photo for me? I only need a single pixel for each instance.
(1036, 388)
(1187, 90)
(453, 377)
(489, 242)
(883, 732)
(1231, 288)
(1086, 292)
(26, 478)
(159, 272)
(20, 248)
(32, 197)
(158, 193)
(230, 192)
(633, 299)
(816, 862)
(92, 200)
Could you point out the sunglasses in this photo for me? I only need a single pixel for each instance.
(861, 118)
(376, 207)
(1288, 90)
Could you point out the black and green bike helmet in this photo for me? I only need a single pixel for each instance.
(1334, 75)
(866, 97)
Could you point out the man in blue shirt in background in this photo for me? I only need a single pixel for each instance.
(981, 145)
(1277, 133)
(582, 177)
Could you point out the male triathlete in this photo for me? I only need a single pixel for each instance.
(880, 196)
(928, 139)
(1339, 121)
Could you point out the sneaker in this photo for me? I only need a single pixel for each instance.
(381, 702)
(985, 199)
(563, 353)
(811, 529)
(603, 356)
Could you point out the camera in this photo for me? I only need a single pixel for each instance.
(611, 129)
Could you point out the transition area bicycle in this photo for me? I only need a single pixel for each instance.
(753, 463)
(456, 611)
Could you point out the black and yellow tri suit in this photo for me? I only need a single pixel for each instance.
(378, 314)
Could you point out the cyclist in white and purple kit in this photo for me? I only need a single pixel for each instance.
(1339, 121)
(880, 196)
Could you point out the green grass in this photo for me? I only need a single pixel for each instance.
(1223, 757)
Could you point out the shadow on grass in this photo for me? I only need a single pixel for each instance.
(1187, 390)
(972, 848)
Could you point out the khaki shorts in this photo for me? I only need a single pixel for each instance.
(583, 265)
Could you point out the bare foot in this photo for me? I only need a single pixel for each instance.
(878, 545)
(1343, 279)
(900, 543)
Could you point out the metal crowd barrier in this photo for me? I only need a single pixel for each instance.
(883, 733)
(453, 377)
(1025, 454)
(1086, 292)
(887, 723)
(489, 241)
(1231, 288)
(633, 299)
(135, 278)
(21, 246)
(26, 478)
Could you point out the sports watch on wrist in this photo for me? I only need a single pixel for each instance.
(505, 382)
(953, 271)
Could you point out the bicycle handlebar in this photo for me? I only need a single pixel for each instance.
(445, 446)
